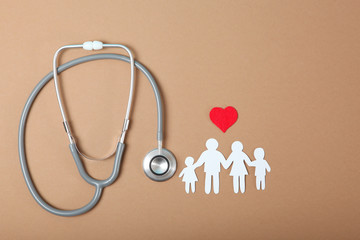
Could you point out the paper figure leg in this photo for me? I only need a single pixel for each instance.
(263, 183)
(207, 183)
(257, 183)
(236, 184)
(187, 187)
(242, 183)
(193, 187)
(216, 183)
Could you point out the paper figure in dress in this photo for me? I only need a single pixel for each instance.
(238, 169)
(189, 175)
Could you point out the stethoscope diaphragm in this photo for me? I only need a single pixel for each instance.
(159, 164)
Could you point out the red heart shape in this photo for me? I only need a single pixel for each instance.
(223, 118)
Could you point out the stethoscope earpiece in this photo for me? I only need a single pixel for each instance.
(159, 164)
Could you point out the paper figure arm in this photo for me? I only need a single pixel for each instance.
(200, 161)
(228, 162)
(224, 162)
(182, 173)
(267, 166)
(247, 159)
(252, 164)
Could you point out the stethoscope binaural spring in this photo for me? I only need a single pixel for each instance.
(159, 164)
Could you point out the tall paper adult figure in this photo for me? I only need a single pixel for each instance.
(238, 169)
(212, 160)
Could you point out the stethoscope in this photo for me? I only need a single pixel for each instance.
(159, 164)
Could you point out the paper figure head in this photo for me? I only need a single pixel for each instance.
(259, 153)
(212, 144)
(237, 146)
(189, 161)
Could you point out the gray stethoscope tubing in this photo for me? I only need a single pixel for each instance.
(99, 184)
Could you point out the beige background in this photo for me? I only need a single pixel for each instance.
(290, 68)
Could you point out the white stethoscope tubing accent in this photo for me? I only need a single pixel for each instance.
(95, 45)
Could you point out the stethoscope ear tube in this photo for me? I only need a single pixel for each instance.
(99, 184)
(94, 45)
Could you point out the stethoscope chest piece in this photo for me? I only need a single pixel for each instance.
(159, 164)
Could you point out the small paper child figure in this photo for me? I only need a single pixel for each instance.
(261, 166)
(189, 175)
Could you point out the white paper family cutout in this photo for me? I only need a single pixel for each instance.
(212, 160)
